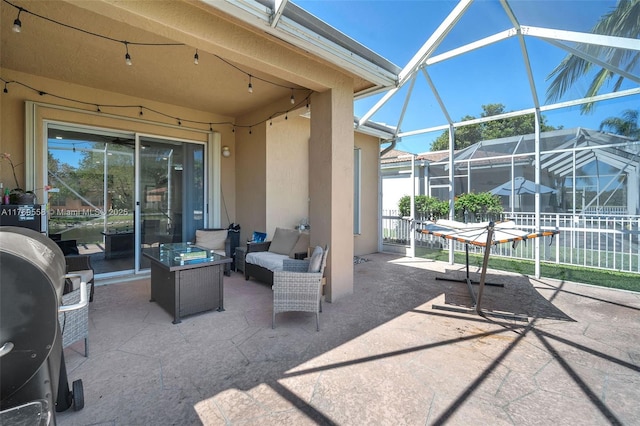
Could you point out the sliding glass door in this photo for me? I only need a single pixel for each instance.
(115, 193)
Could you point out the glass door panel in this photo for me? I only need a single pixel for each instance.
(93, 176)
(171, 192)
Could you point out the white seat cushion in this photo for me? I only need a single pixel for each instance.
(266, 259)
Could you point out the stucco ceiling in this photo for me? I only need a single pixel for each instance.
(161, 73)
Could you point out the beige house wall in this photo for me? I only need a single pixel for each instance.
(287, 172)
(276, 192)
(367, 241)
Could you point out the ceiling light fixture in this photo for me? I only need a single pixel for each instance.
(17, 25)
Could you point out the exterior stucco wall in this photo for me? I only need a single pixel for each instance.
(287, 172)
(13, 125)
(331, 184)
(367, 241)
(276, 192)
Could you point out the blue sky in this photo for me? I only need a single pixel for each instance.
(495, 74)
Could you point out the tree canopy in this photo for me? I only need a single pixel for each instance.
(468, 135)
(627, 125)
(622, 21)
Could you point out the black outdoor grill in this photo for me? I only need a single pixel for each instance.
(33, 377)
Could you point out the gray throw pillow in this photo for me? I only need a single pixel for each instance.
(283, 241)
(302, 245)
(316, 260)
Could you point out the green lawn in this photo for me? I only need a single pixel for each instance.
(599, 277)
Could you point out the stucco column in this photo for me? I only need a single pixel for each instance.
(331, 184)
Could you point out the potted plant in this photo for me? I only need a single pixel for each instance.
(18, 195)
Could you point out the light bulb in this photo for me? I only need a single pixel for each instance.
(250, 86)
(196, 57)
(127, 57)
(17, 25)
(293, 100)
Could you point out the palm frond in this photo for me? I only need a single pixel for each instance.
(621, 21)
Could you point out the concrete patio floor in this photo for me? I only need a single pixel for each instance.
(383, 355)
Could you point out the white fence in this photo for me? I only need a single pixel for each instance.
(588, 240)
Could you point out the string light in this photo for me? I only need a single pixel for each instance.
(17, 25)
(160, 113)
(196, 58)
(250, 87)
(293, 100)
(127, 57)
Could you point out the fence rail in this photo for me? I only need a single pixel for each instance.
(588, 240)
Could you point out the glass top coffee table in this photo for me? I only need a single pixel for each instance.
(186, 279)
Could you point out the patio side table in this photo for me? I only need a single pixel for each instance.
(241, 252)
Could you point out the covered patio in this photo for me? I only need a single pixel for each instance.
(382, 356)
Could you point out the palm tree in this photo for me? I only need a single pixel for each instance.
(627, 125)
(622, 21)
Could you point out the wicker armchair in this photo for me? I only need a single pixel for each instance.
(208, 238)
(81, 264)
(295, 289)
(74, 320)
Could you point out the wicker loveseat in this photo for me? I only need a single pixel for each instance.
(262, 259)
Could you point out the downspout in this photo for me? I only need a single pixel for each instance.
(393, 141)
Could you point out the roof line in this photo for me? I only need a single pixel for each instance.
(304, 30)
